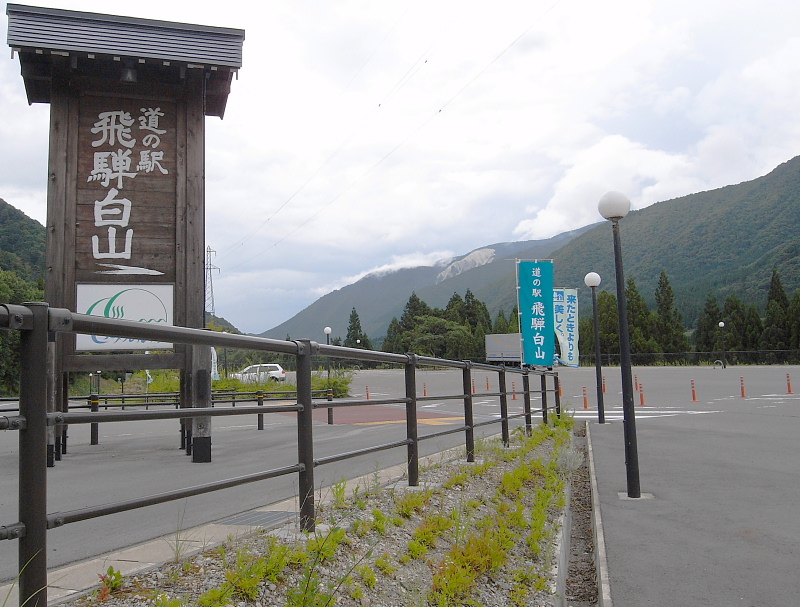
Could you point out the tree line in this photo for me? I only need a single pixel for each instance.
(662, 330)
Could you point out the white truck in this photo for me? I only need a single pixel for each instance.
(504, 348)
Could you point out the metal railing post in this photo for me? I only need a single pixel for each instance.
(544, 397)
(33, 456)
(411, 420)
(94, 427)
(469, 421)
(501, 377)
(526, 389)
(305, 435)
(260, 402)
(557, 395)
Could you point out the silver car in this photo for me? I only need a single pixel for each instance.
(259, 374)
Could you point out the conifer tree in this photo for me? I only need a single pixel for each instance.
(414, 307)
(640, 321)
(776, 319)
(669, 330)
(705, 336)
(356, 338)
(608, 321)
(501, 324)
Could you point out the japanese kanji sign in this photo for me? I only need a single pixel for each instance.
(125, 235)
(565, 314)
(535, 282)
(126, 190)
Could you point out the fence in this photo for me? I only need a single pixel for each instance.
(732, 357)
(37, 322)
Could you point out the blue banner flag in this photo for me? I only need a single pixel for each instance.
(565, 309)
(535, 287)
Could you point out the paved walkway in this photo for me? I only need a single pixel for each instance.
(721, 523)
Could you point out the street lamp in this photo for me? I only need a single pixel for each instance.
(592, 280)
(328, 331)
(614, 206)
(722, 335)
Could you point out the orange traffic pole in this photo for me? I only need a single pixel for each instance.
(741, 381)
(604, 384)
(424, 389)
(636, 383)
(367, 392)
(641, 395)
(560, 390)
(788, 384)
(487, 383)
(585, 399)
(694, 393)
(513, 391)
(474, 391)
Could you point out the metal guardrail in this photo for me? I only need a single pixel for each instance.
(35, 321)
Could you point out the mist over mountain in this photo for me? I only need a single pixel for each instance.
(380, 297)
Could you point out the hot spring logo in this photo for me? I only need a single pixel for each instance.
(145, 305)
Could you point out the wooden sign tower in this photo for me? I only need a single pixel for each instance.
(125, 197)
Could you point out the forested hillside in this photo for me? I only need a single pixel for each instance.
(22, 243)
(722, 242)
(22, 250)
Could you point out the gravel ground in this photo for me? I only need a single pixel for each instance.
(372, 564)
(582, 576)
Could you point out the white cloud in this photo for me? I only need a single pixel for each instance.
(334, 155)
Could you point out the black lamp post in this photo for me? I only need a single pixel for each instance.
(614, 206)
(329, 392)
(722, 336)
(592, 280)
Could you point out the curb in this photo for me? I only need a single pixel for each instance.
(600, 559)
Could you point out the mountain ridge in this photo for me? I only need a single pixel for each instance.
(723, 241)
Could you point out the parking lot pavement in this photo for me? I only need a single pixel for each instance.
(720, 480)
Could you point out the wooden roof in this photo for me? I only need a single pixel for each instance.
(97, 44)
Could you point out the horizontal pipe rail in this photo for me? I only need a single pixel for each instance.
(442, 397)
(59, 519)
(126, 416)
(366, 451)
(15, 422)
(446, 432)
(333, 404)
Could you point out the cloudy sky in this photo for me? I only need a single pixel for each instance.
(363, 135)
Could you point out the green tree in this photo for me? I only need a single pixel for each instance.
(414, 308)
(476, 313)
(705, 336)
(13, 290)
(455, 310)
(356, 338)
(608, 320)
(776, 335)
(669, 330)
(794, 321)
(640, 321)
(501, 325)
(751, 335)
(394, 338)
(734, 315)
